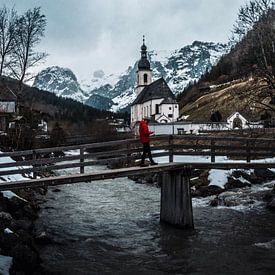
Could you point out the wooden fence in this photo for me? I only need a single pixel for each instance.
(126, 151)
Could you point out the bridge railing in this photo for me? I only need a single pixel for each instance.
(49, 159)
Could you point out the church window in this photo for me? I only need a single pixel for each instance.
(170, 108)
(145, 78)
(170, 115)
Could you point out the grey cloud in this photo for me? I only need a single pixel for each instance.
(87, 35)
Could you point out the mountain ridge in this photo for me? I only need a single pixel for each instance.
(116, 92)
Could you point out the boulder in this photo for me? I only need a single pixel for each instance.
(24, 224)
(206, 191)
(25, 258)
(5, 220)
(214, 202)
(43, 238)
(264, 174)
(235, 183)
(271, 204)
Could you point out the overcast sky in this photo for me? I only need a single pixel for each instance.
(87, 35)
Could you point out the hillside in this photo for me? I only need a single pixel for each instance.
(252, 57)
(74, 117)
(228, 98)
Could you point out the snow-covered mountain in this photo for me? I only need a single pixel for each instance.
(62, 82)
(116, 92)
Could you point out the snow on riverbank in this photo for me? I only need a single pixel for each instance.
(216, 177)
(5, 261)
(17, 177)
(5, 264)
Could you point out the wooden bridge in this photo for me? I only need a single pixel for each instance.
(176, 205)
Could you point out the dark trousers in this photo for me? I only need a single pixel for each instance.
(146, 150)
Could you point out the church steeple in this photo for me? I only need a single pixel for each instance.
(144, 72)
(143, 63)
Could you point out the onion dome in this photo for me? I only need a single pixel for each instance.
(143, 63)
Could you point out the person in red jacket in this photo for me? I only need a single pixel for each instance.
(144, 135)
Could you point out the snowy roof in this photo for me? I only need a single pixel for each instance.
(157, 89)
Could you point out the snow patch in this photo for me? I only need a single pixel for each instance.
(266, 245)
(8, 231)
(5, 264)
(9, 195)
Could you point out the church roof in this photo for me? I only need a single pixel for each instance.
(169, 100)
(156, 90)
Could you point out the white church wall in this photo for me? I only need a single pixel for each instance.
(136, 113)
(171, 111)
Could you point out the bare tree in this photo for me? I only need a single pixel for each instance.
(250, 14)
(256, 22)
(30, 29)
(7, 37)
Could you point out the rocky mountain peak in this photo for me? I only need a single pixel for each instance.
(116, 92)
(61, 81)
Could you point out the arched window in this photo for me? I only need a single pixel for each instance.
(145, 78)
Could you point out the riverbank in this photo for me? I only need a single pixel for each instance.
(18, 241)
(18, 212)
(220, 185)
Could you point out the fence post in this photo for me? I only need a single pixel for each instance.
(128, 159)
(248, 152)
(81, 160)
(212, 150)
(34, 157)
(176, 203)
(171, 148)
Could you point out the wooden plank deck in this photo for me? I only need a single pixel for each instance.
(125, 172)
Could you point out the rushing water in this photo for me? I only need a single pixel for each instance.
(112, 227)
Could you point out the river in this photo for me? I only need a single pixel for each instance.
(112, 227)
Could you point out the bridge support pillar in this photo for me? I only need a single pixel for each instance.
(176, 204)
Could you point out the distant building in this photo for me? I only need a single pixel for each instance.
(154, 99)
(234, 122)
(237, 121)
(8, 101)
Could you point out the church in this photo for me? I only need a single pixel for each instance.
(154, 100)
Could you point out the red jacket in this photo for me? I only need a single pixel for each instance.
(144, 133)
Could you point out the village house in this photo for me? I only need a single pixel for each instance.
(8, 102)
(154, 100)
